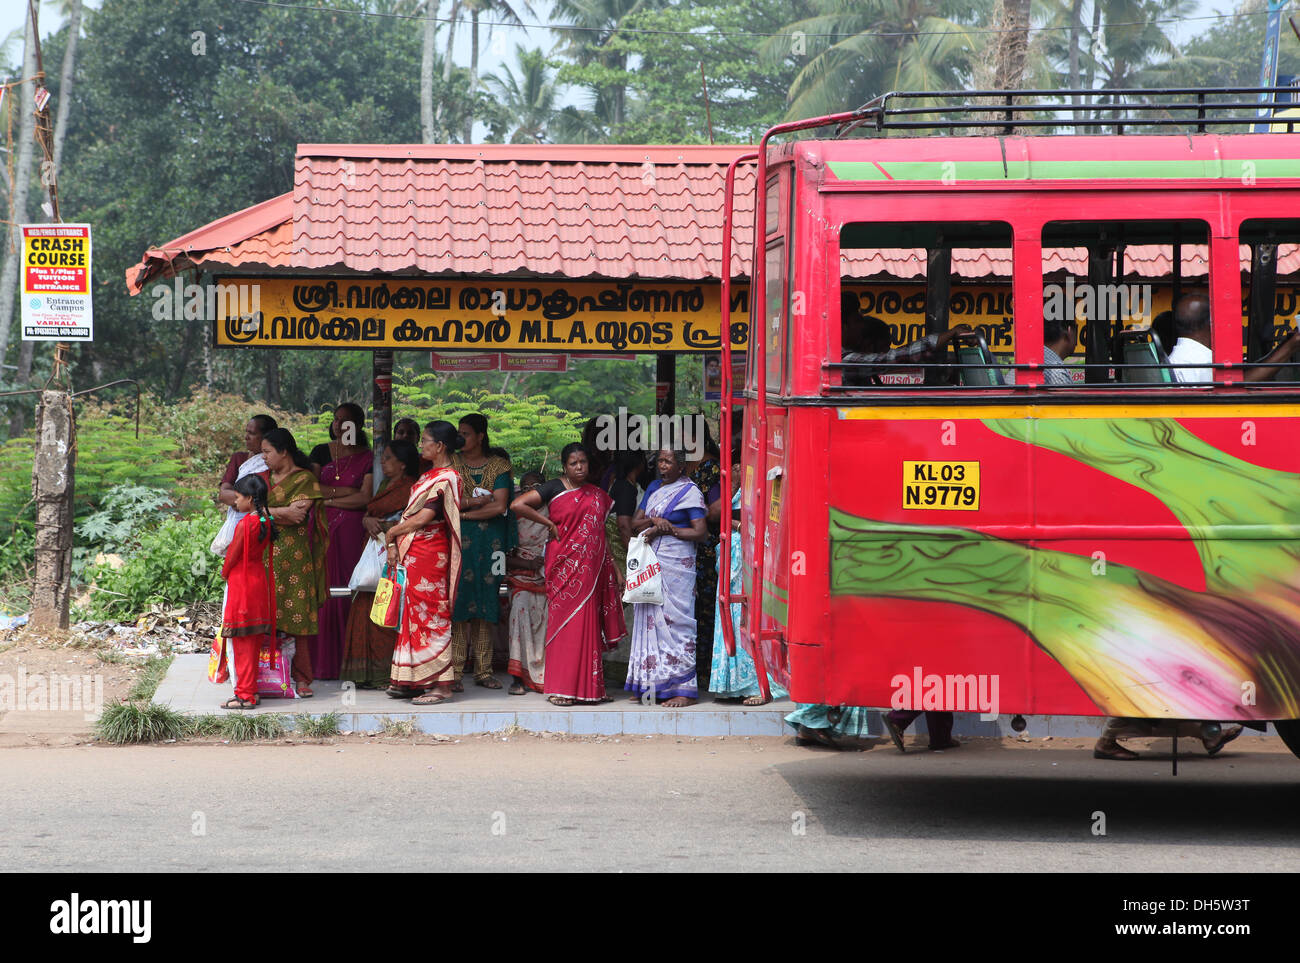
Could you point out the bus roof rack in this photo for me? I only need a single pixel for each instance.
(979, 110)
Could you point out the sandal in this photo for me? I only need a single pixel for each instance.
(488, 683)
(458, 686)
(395, 692)
(756, 700)
(304, 692)
(562, 701)
(518, 689)
(430, 699)
(238, 703)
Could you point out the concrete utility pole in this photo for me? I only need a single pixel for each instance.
(53, 475)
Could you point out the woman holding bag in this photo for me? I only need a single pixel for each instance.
(427, 542)
(583, 612)
(300, 589)
(662, 660)
(368, 648)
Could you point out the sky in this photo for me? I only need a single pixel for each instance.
(498, 47)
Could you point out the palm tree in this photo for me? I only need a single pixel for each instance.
(499, 10)
(858, 49)
(592, 24)
(528, 97)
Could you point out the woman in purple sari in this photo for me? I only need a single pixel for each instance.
(662, 660)
(346, 472)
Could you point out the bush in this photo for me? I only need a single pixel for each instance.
(170, 567)
(132, 722)
(317, 727)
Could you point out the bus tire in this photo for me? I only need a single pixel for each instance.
(1289, 730)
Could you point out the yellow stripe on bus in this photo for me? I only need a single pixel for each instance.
(1042, 412)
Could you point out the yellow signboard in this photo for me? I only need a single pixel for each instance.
(522, 315)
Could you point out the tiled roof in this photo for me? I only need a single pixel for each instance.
(611, 211)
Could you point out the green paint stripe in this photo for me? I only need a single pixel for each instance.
(1065, 169)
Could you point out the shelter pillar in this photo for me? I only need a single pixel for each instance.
(381, 407)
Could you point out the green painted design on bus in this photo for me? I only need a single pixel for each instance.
(1015, 169)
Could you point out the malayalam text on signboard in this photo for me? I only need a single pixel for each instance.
(56, 301)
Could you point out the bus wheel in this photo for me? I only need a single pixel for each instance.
(1289, 730)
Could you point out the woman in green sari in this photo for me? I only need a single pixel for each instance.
(299, 554)
(485, 523)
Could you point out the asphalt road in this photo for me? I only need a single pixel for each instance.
(643, 804)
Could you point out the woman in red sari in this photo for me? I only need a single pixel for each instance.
(584, 614)
(248, 617)
(427, 542)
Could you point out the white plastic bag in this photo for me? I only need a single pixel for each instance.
(365, 577)
(226, 534)
(645, 584)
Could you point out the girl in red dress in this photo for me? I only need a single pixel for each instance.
(248, 621)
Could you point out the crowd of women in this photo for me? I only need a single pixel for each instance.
(448, 515)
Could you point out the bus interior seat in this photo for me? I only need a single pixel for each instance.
(1142, 347)
(972, 349)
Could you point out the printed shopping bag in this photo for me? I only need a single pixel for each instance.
(217, 671)
(389, 595)
(644, 582)
(274, 667)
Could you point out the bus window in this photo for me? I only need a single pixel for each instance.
(1109, 293)
(1271, 248)
(923, 303)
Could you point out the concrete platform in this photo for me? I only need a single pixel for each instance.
(186, 689)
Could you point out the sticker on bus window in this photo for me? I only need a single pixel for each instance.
(774, 507)
(944, 485)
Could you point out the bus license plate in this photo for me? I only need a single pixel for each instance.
(943, 485)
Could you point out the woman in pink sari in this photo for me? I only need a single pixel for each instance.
(345, 479)
(584, 614)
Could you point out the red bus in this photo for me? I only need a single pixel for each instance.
(1113, 532)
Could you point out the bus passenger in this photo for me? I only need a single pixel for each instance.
(1121, 728)
(1060, 338)
(1192, 325)
(879, 355)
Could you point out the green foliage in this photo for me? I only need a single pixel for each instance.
(123, 513)
(16, 554)
(317, 727)
(242, 727)
(150, 677)
(171, 566)
(134, 722)
(531, 429)
(397, 728)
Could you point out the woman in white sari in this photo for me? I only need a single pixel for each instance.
(672, 516)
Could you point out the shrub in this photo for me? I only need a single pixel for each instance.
(132, 722)
(317, 727)
(241, 727)
(170, 566)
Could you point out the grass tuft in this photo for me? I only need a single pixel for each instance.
(317, 727)
(131, 722)
(151, 675)
(398, 728)
(209, 725)
(241, 727)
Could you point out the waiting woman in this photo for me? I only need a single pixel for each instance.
(427, 542)
(527, 582)
(346, 483)
(300, 587)
(246, 462)
(584, 616)
(662, 659)
(485, 539)
(368, 649)
(707, 476)
(248, 614)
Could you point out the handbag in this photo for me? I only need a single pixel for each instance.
(370, 567)
(390, 595)
(644, 581)
(275, 669)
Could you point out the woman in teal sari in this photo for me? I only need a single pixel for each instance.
(485, 525)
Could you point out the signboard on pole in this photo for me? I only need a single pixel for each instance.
(445, 361)
(1268, 64)
(56, 298)
(534, 362)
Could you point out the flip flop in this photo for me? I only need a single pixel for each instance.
(238, 703)
(562, 701)
(517, 689)
(304, 692)
(1227, 737)
(488, 683)
(430, 699)
(895, 733)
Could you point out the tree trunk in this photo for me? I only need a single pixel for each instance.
(23, 377)
(22, 179)
(1013, 45)
(473, 76)
(65, 83)
(1076, 27)
(1092, 60)
(454, 17)
(426, 74)
(273, 377)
